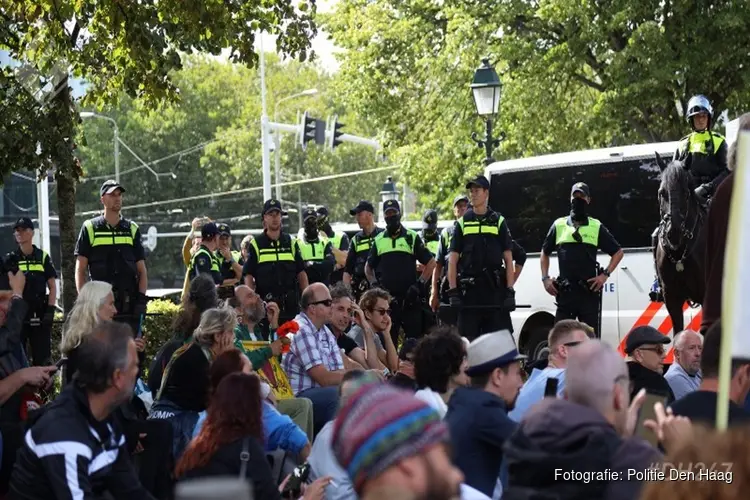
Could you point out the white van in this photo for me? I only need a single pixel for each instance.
(532, 192)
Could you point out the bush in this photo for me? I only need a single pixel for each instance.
(157, 326)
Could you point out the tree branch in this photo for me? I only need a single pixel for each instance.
(589, 83)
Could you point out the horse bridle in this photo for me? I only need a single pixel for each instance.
(687, 234)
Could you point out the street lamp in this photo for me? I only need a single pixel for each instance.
(277, 136)
(89, 114)
(487, 89)
(387, 192)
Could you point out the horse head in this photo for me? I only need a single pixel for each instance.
(677, 200)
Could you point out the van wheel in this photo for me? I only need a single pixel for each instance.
(537, 347)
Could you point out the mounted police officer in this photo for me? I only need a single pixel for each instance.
(274, 267)
(110, 248)
(230, 261)
(391, 266)
(704, 152)
(359, 251)
(480, 267)
(339, 244)
(316, 252)
(40, 276)
(204, 259)
(439, 274)
(576, 238)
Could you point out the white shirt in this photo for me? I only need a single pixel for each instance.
(433, 399)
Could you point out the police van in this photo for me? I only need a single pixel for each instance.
(532, 192)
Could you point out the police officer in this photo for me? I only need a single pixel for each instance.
(204, 259)
(359, 251)
(274, 267)
(439, 283)
(703, 151)
(339, 243)
(429, 232)
(230, 261)
(110, 249)
(316, 252)
(576, 238)
(480, 266)
(40, 276)
(391, 266)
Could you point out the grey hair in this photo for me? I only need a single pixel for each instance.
(679, 342)
(215, 322)
(593, 368)
(102, 352)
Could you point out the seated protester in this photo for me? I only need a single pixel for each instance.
(478, 415)
(645, 351)
(75, 447)
(313, 363)
(343, 310)
(700, 406)
(440, 367)
(233, 428)
(684, 376)
(564, 336)
(201, 297)
(250, 310)
(279, 432)
(404, 377)
(591, 430)
(184, 390)
(375, 304)
(322, 460)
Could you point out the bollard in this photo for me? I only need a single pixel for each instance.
(214, 488)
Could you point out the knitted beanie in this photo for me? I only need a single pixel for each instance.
(381, 425)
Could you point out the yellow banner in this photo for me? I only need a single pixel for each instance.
(271, 372)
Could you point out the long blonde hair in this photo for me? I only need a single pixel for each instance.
(84, 315)
(214, 322)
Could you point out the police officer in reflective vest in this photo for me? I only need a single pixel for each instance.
(703, 151)
(576, 238)
(230, 261)
(359, 251)
(204, 259)
(480, 267)
(391, 266)
(429, 232)
(110, 249)
(439, 281)
(315, 251)
(274, 267)
(40, 276)
(339, 244)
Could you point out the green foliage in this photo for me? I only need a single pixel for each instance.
(157, 326)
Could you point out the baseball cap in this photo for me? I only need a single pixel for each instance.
(490, 351)
(309, 213)
(209, 229)
(480, 181)
(271, 205)
(322, 212)
(580, 187)
(459, 198)
(391, 205)
(644, 335)
(362, 206)
(23, 223)
(110, 187)
(224, 229)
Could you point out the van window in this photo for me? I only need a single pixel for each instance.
(623, 198)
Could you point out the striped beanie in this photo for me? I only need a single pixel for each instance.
(381, 425)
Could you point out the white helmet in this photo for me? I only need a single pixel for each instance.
(699, 104)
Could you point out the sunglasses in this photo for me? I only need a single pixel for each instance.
(657, 350)
(382, 311)
(326, 302)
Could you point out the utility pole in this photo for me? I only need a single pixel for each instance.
(264, 129)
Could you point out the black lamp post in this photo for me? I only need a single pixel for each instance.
(487, 89)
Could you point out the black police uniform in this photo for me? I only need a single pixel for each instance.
(338, 240)
(577, 263)
(480, 241)
(359, 252)
(38, 269)
(392, 260)
(113, 253)
(225, 266)
(205, 261)
(316, 252)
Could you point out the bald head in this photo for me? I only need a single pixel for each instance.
(314, 293)
(242, 292)
(593, 368)
(687, 337)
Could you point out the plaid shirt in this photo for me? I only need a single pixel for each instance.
(310, 348)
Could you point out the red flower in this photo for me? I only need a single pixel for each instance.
(284, 330)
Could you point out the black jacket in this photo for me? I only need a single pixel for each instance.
(557, 435)
(641, 377)
(12, 356)
(68, 454)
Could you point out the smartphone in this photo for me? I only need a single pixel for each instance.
(550, 390)
(293, 487)
(647, 413)
(139, 333)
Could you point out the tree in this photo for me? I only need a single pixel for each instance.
(129, 47)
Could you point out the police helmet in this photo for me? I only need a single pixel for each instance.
(699, 104)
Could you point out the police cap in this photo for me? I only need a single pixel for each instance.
(362, 206)
(580, 187)
(391, 205)
(430, 218)
(479, 181)
(224, 229)
(309, 213)
(110, 187)
(23, 223)
(209, 230)
(458, 199)
(271, 205)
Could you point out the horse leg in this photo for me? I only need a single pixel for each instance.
(674, 303)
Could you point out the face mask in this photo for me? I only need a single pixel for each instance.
(578, 208)
(392, 222)
(311, 229)
(430, 232)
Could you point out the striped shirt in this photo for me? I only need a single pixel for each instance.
(310, 347)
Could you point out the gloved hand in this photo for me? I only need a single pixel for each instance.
(510, 300)
(702, 193)
(454, 297)
(49, 314)
(413, 294)
(140, 304)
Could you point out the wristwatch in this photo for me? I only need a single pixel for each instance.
(607, 273)
(545, 278)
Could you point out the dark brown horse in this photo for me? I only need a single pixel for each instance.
(680, 251)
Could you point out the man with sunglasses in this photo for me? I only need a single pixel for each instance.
(577, 238)
(645, 349)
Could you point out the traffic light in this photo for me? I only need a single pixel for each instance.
(308, 130)
(320, 132)
(335, 134)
